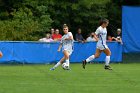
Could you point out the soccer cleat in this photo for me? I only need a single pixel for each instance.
(68, 69)
(84, 63)
(107, 68)
(52, 69)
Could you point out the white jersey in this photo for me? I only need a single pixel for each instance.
(101, 33)
(67, 44)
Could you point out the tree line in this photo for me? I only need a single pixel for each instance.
(30, 19)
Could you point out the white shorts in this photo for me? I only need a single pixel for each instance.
(70, 50)
(102, 47)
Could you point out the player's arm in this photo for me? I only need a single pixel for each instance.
(69, 38)
(59, 48)
(95, 36)
(96, 33)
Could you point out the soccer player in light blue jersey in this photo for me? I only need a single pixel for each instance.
(100, 35)
(66, 44)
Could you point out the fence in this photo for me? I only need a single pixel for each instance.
(41, 52)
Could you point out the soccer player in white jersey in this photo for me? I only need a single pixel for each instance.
(66, 44)
(100, 36)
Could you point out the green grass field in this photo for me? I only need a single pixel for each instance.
(125, 78)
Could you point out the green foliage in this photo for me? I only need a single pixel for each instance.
(28, 22)
(30, 19)
(82, 13)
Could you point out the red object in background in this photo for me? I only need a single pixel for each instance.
(1, 54)
(56, 37)
(109, 38)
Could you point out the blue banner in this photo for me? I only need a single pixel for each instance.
(130, 29)
(39, 52)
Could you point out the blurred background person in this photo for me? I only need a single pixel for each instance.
(78, 36)
(52, 32)
(47, 38)
(118, 37)
(56, 36)
(1, 54)
(91, 37)
(109, 38)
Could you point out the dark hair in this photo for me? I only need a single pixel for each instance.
(102, 21)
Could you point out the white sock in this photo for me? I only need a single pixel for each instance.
(57, 65)
(107, 60)
(67, 62)
(90, 58)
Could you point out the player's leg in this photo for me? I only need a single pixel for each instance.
(66, 54)
(92, 57)
(58, 63)
(96, 55)
(107, 59)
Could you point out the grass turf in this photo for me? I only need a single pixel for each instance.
(125, 78)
